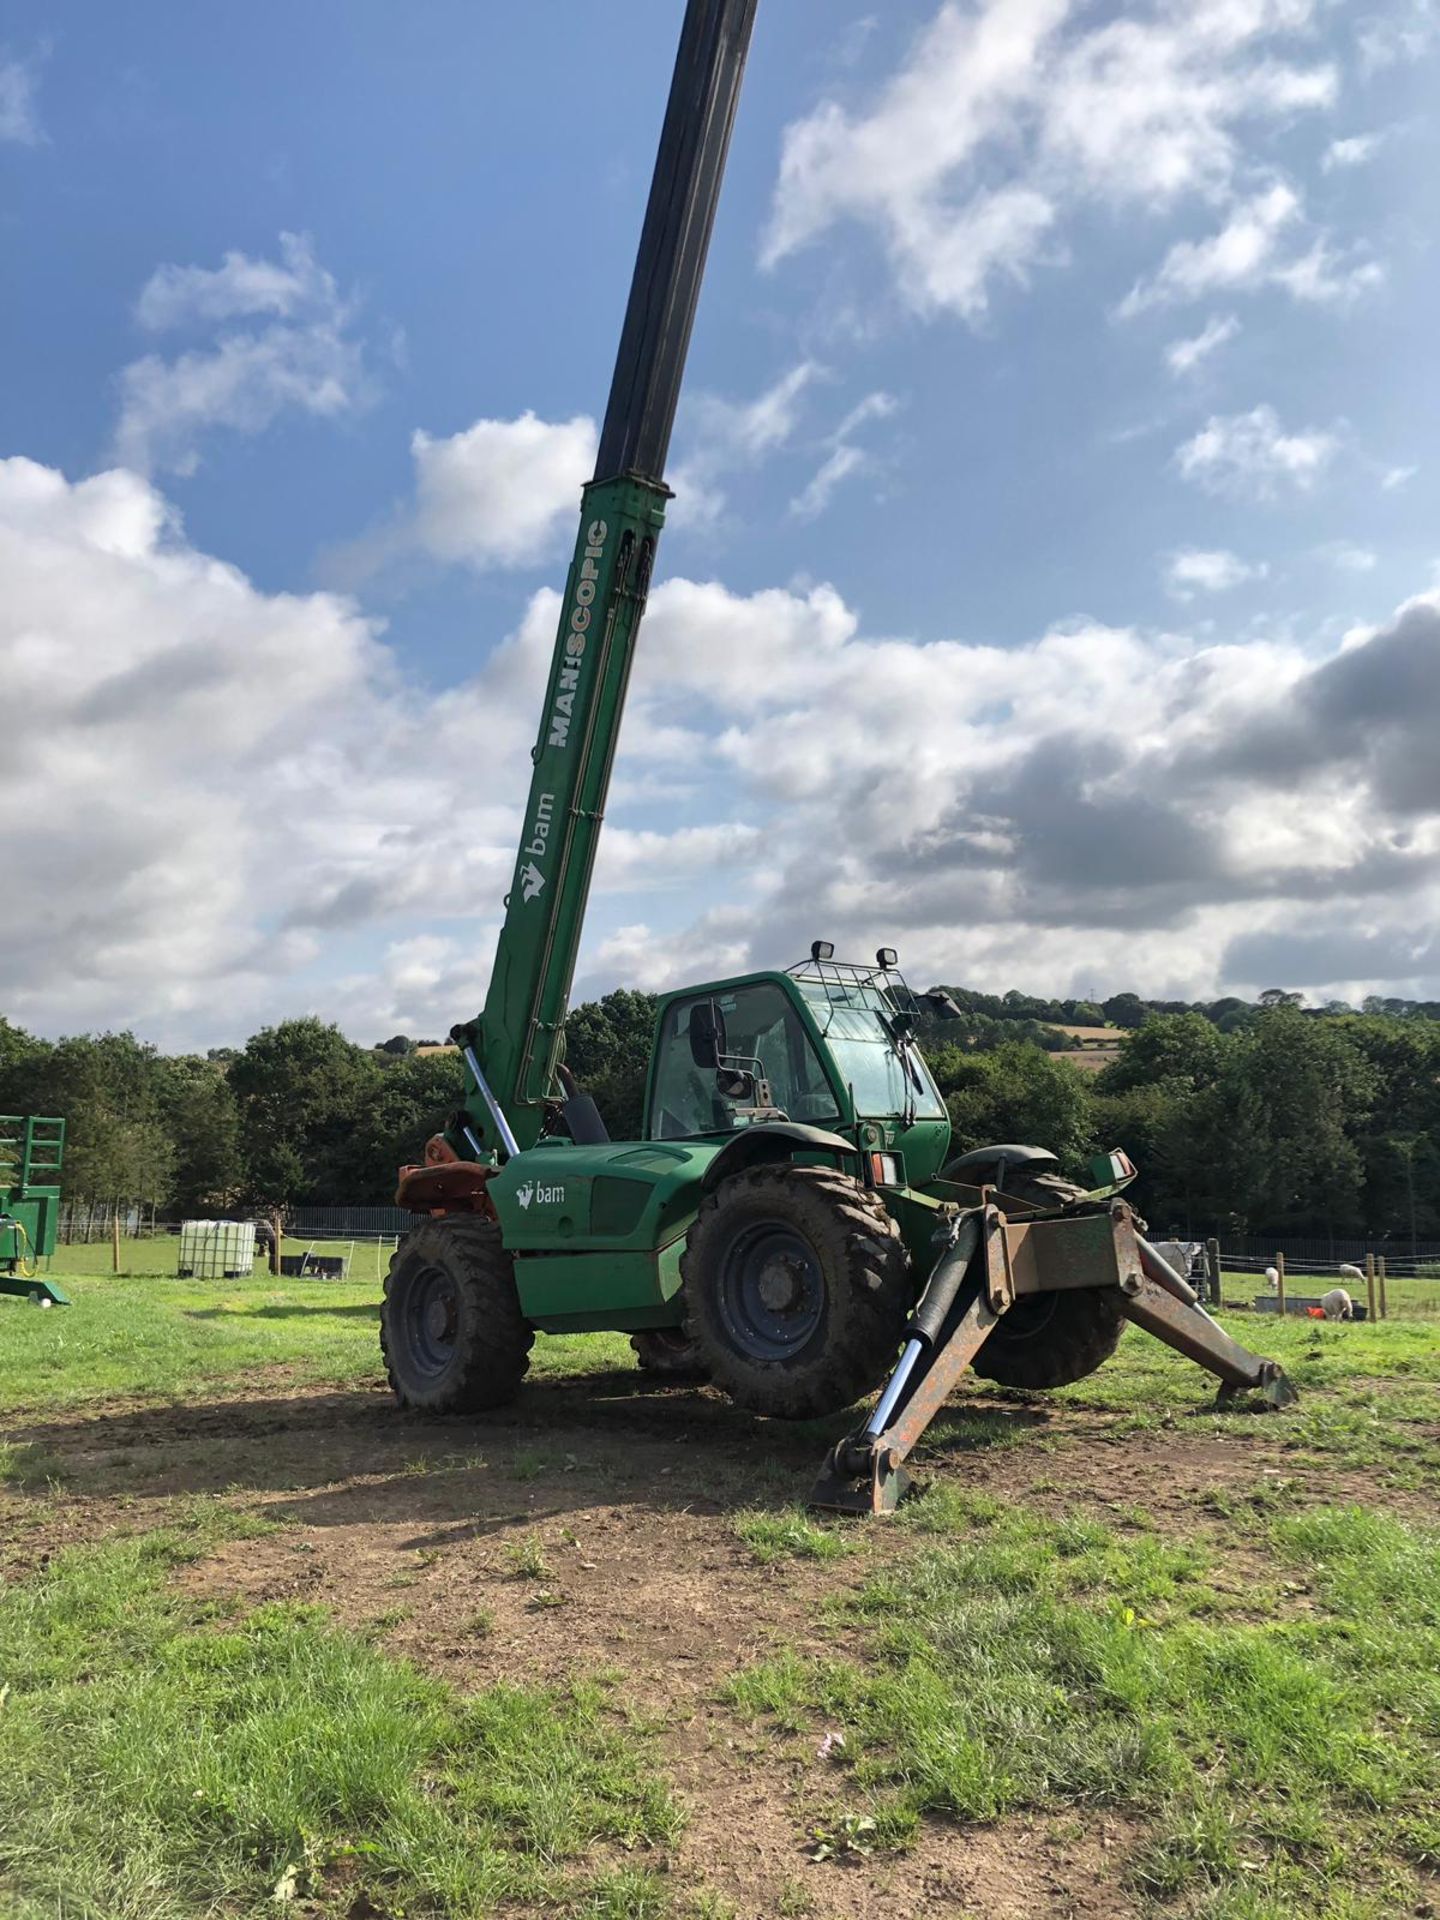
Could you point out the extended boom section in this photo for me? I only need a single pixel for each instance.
(517, 1043)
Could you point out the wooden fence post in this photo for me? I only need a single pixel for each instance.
(1280, 1285)
(278, 1224)
(1370, 1299)
(1380, 1278)
(1212, 1267)
(115, 1241)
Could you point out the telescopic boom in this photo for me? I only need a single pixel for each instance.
(513, 1050)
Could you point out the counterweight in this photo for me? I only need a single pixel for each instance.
(518, 1038)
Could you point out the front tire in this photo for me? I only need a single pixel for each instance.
(1049, 1339)
(796, 1290)
(451, 1329)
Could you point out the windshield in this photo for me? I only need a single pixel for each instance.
(764, 1034)
(866, 1059)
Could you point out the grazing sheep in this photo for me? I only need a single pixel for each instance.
(1272, 1279)
(1347, 1272)
(1337, 1304)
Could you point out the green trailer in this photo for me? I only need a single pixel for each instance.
(32, 1151)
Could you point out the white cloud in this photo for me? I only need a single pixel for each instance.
(1356, 151)
(722, 437)
(845, 459)
(1350, 558)
(1007, 118)
(1184, 356)
(1102, 798)
(1394, 477)
(1405, 31)
(1250, 454)
(302, 356)
(1102, 803)
(1208, 570)
(19, 120)
(1239, 255)
(502, 492)
(1249, 252)
(296, 283)
(177, 891)
(815, 496)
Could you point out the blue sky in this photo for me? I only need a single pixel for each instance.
(1060, 420)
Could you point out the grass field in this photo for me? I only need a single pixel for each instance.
(268, 1645)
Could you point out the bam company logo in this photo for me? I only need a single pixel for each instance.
(542, 1196)
(531, 881)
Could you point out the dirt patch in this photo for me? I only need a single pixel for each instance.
(589, 1529)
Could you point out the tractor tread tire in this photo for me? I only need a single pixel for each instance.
(1050, 1339)
(869, 1285)
(493, 1339)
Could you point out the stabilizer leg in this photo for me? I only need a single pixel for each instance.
(1191, 1331)
(865, 1473)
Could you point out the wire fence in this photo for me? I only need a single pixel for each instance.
(350, 1243)
(1321, 1253)
(159, 1250)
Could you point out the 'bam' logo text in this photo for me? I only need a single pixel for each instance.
(542, 1196)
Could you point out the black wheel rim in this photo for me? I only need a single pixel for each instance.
(430, 1320)
(771, 1292)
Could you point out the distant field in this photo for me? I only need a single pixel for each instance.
(1406, 1299)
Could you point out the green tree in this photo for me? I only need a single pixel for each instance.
(1125, 1010)
(413, 1097)
(1016, 1093)
(198, 1111)
(1180, 1047)
(607, 1048)
(1275, 1130)
(303, 1091)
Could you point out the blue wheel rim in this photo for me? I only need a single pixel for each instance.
(431, 1320)
(771, 1291)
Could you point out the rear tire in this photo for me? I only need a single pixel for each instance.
(1050, 1339)
(797, 1288)
(451, 1329)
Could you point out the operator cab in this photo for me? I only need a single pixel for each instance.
(794, 1046)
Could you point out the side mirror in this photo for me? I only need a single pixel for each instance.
(939, 1006)
(735, 1083)
(707, 1033)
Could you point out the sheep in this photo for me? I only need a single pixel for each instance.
(1338, 1304)
(1347, 1272)
(1272, 1279)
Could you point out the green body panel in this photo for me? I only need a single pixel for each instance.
(32, 1151)
(597, 1231)
(518, 1038)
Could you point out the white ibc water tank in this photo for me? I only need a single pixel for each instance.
(216, 1249)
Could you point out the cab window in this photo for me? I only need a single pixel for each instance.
(760, 1033)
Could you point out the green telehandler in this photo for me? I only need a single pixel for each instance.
(792, 1219)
